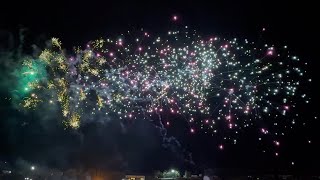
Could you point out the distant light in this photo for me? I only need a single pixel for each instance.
(175, 18)
(32, 168)
(221, 147)
(292, 163)
(231, 91)
(172, 170)
(270, 52)
(264, 131)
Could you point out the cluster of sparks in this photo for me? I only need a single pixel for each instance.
(205, 81)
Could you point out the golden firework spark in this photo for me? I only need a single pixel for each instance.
(100, 102)
(56, 42)
(82, 95)
(31, 102)
(46, 56)
(74, 121)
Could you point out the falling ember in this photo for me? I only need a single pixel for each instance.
(175, 18)
(264, 131)
(221, 147)
(231, 91)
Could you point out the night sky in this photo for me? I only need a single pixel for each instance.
(40, 138)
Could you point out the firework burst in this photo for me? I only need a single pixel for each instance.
(206, 81)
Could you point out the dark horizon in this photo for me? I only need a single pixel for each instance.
(45, 142)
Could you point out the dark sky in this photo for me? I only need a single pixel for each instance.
(76, 22)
